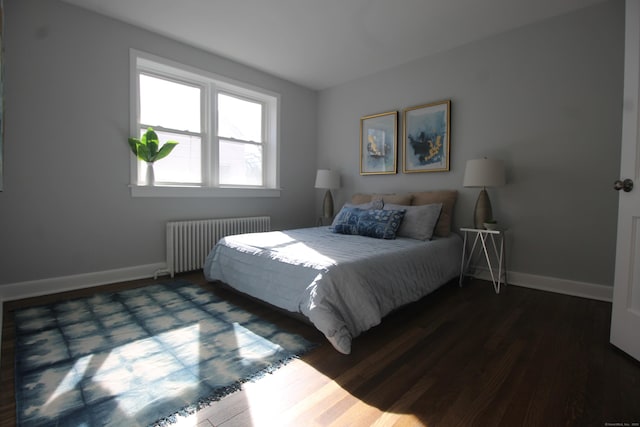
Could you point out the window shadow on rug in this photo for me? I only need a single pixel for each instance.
(140, 356)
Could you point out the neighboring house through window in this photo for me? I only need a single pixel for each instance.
(227, 132)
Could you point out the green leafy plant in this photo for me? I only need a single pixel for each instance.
(491, 221)
(146, 148)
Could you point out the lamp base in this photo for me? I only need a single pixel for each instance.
(483, 210)
(327, 205)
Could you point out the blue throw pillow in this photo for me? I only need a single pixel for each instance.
(346, 222)
(378, 223)
(345, 211)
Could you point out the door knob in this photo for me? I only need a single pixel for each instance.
(626, 185)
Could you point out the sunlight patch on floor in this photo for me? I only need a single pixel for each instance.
(390, 418)
(287, 398)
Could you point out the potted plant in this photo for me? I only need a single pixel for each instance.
(491, 224)
(146, 149)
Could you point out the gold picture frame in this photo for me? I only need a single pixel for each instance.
(379, 144)
(426, 137)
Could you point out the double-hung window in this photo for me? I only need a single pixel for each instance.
(227, 132)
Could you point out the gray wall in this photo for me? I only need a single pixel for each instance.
(66, 208)
(547, 99)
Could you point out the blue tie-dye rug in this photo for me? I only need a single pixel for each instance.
(139, 357)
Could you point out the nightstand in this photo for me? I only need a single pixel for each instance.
(492, 245)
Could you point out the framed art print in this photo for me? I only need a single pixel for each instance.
(379, 144)
(426, 137)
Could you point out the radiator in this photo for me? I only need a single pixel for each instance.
(189, 242)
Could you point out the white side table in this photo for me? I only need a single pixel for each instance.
(496, 238)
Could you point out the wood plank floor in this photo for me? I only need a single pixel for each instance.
(460, 357)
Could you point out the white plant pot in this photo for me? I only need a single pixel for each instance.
(151, 178)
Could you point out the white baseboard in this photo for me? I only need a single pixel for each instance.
(551, 284)
(34, 288)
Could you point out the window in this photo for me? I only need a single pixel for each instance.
(174, 110)
(240, 140)
(226, 131)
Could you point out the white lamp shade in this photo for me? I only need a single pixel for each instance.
(326, 178)
(484, 173)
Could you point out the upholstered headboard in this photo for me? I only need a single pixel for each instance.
(446, 197)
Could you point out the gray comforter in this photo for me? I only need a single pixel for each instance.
(343, 284)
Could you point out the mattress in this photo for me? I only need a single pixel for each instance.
(344, 284)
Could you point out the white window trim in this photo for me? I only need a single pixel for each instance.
(182, 72)
(185, 191)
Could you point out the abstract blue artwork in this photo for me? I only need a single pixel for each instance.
(379, 144)
(426, 137)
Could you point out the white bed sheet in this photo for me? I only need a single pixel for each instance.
(343, 284)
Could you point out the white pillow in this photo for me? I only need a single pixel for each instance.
(419, 221)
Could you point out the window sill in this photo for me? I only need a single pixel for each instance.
(176, 191)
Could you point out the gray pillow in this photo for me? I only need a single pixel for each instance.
(419, 221)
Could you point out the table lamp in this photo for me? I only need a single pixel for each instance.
(483, 173)
(327, 179)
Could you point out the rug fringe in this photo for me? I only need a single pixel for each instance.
(40, 325)
(225, 391)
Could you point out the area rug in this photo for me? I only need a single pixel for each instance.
(139, 357)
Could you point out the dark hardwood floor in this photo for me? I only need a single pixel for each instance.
(459, 357)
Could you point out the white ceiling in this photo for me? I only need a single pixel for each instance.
(323, 43)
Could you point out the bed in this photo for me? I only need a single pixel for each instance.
(344, 283)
